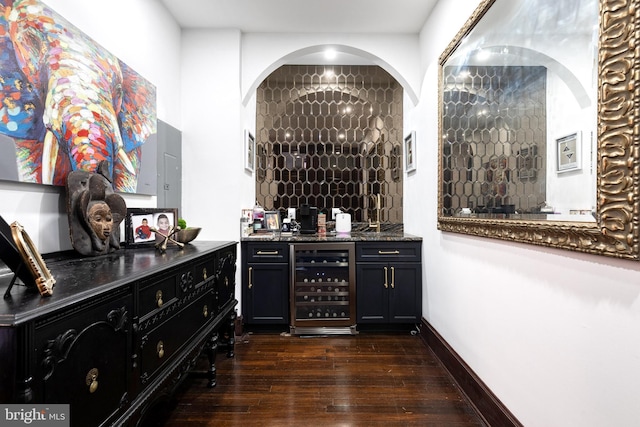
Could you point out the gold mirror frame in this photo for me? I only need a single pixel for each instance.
(618, 158)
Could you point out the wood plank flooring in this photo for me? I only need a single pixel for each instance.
(365, 380)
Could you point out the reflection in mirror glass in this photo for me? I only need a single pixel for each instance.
(519, 113)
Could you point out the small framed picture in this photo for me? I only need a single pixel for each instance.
(410, 152)
(272, 221)
(249, 151)
(568, 149)
(146, 226)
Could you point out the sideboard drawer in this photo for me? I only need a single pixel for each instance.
(159, 345)
(205, 270)
(156, 294)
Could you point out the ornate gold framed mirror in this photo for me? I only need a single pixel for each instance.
(538, 103)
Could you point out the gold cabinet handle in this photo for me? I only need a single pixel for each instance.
(393, 277)
(159, 300)
(160, 349)
(250, 277)
(92, 380)
(386, 284)
(267, 253)
(396, 252)
(204, 273)
(205, 311)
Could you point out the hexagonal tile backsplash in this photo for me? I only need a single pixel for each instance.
(330, 136)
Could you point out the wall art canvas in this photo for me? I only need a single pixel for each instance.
(66, 103)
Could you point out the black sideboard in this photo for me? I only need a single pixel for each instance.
(120, 332)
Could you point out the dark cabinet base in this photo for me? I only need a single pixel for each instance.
(387, 291)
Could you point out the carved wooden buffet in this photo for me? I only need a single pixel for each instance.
(120, 331)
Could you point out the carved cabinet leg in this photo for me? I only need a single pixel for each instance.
(212, 350)
(231, 334)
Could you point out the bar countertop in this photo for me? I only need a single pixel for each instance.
(332, 236)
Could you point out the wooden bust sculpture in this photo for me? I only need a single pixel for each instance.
(95, 211)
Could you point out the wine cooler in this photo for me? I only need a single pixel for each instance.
(323, 299)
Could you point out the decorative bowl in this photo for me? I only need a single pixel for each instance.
(188, 234)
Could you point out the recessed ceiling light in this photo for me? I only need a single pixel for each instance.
(330, 54)
(483, 55)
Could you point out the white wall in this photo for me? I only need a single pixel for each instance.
(215, 186)
(140, 33)
(551, 332)
(262, 53)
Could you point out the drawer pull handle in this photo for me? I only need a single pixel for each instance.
(267, 253)
(92, 380)
(205, 311)
(160, 349)
(396, 252)
(159, 301)
(204, 273)
(386, 284)
(250, 277)
(393, 277)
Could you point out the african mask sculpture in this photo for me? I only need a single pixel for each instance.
(67, 102)
(95, 211)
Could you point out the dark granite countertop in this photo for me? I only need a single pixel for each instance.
(354, 236)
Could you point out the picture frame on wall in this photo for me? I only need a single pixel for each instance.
(410, 152)
(145, 226)
(249, 151)
(568, 152)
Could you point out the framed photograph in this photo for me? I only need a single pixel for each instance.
(146, 226)
(272, 221)
(410, 152)
(249, 151)
(568, 149)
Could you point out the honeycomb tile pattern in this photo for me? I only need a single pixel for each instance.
(494, 131)
(330, 137)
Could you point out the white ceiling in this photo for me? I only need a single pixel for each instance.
(303, 16)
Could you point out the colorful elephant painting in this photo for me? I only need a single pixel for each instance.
(66, 102)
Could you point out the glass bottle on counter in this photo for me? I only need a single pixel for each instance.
(258, 216)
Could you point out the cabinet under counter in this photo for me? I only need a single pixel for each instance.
(385, 288)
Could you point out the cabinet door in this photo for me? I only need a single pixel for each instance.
(83, 361)
(405, 292)
(266, 294)
(372, 291)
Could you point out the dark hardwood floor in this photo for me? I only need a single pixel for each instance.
(370, 379)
